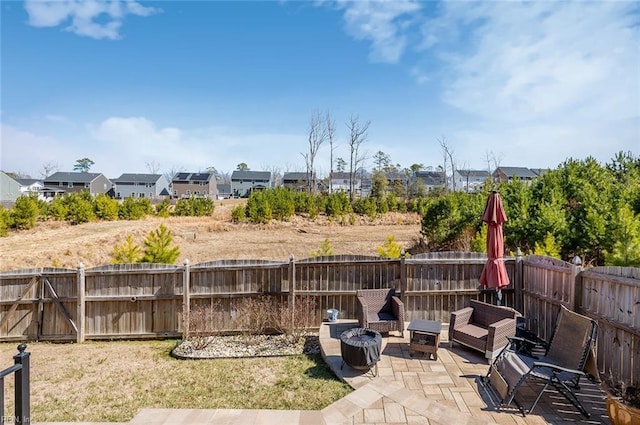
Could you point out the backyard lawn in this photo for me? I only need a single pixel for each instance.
(112, 381)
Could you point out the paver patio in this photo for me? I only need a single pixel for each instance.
(407, 390)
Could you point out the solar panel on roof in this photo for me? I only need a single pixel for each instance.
(182, 176)
(201, 176)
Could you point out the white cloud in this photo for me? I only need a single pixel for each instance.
(546, 59)
(542, 78)
(25, 152)
(383, 23)
(84, 15)
(126, 144)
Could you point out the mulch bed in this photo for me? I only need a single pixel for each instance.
(242, 346)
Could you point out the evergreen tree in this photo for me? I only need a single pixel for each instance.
(157, 247)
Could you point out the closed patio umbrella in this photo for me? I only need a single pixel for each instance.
(494, 273)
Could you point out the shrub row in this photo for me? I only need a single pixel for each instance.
(82, 207)
(281, 204)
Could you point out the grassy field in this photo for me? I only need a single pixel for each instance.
(112, 381)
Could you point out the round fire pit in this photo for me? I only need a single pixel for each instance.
(360, 348)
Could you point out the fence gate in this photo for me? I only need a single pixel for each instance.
(39, 312)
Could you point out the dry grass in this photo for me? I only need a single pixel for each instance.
(203, 239)
(112, 381)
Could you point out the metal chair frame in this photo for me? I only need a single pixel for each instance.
(545, 369)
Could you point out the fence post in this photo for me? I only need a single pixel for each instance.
(403, 275)
(81, 304)
(186, 298)
(576, 289)
(519, 282)
(292, 287)
(22, 394)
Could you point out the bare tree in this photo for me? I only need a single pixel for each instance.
(225, 177)
(465, 172)
(317, 136)
(330, 125)
(153, 167)
(48, 168)
(169, 174)
(276, 174)
(492, 160)
(447, 154)
(357, 136)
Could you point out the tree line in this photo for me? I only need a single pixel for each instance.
(581, 208)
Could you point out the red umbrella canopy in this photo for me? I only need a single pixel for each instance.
(494, 273)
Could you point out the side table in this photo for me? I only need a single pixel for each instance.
(424, 337)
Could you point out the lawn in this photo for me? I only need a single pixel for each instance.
(112, 381)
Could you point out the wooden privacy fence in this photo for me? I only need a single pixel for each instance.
(150, 300)
(611, 295)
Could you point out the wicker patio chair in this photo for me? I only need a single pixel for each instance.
(380, 310)
(483, 327)
(567, 356)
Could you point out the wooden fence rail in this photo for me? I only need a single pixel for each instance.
(150, 300)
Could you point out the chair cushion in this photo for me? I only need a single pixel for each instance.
(473, 336)
(380, 317)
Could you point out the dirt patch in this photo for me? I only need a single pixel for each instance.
(204, 239)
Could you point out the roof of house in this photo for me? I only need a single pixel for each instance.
(253, 175)
(521, 172)
(224, 188)
(540, 171)
(342, 175)
(188, 177)
(72, 177)
(473, 173)
(428, 173)
(295, 176)
(137, 178)
(28, 182)
(430, 178)
(396, 175)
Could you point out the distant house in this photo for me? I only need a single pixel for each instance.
(340, 182)
(201, 185)
(296, 181)
(31, 187)
(432, 180)
(362, 182)
(243, 182)
(540, 171)
(396, 176)
(9, 189)
(152, 186)
(469, 180)
(94, 183)
(502, 174)
(224, 190)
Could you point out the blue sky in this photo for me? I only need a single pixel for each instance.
(183, 85)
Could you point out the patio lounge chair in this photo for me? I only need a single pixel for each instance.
(568, 354)
(380, 310)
